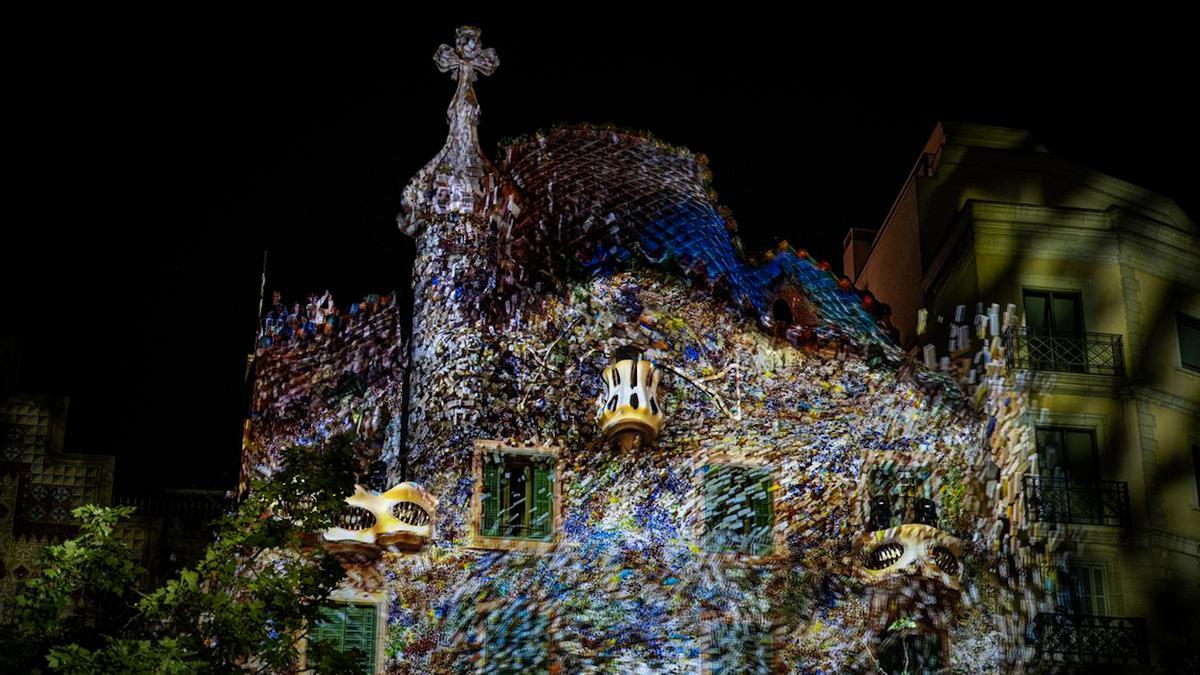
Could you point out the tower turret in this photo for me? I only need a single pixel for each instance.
(459, 180)
(453, 211)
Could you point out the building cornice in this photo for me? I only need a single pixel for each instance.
(1166, 400)
(1105, 188)
(1111, 236)
(1146, 539)
(1072, 384)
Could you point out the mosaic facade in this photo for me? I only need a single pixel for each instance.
(631, 447)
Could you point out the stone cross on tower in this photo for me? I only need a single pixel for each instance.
(466, 58)
(461, 154)
(457, 179)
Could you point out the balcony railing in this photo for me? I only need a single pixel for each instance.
(1085, 639)
(1061, 500)
(1091, 353)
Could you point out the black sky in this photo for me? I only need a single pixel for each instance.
(152, 169)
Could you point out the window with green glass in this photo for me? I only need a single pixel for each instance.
(738, 648)
(518, 496)
(738, 513)
(348, 627)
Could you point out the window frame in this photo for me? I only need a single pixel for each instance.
(1048, 296)
(1196, 468)
(1062, 430)
(1182, 320)
(350, 597)
(774, 544)
(480, 539)
(1070, 597)
(903, 504)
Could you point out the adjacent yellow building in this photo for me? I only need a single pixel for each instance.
(1088, 289)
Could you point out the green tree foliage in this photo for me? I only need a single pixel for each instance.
(244, 608)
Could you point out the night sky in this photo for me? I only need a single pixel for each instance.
(153, 169)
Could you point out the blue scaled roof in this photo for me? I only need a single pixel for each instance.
(599, 197)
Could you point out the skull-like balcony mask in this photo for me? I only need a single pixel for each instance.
(911, 549)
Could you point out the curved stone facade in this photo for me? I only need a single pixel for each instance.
(732, 538)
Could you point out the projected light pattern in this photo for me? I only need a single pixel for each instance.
(748, 536)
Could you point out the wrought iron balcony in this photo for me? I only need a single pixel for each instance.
(1091, 353)
(1087, 639)
(1061, 500)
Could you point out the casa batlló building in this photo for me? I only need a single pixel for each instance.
(616, 443)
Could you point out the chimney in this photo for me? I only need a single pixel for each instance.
(855, 248)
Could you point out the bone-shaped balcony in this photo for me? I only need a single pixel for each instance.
(910, 551)
(401, 518)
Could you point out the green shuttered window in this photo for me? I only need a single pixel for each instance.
(738, 510)
(491, 497)
(518, 496)
(349, 627)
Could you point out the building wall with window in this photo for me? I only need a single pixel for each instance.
(39, 485)
(1097, 276)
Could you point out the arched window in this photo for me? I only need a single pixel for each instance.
(781, 317)
(781, 312)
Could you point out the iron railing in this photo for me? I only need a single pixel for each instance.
(1089, 639)
(1091, 353)
(1062, 500)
